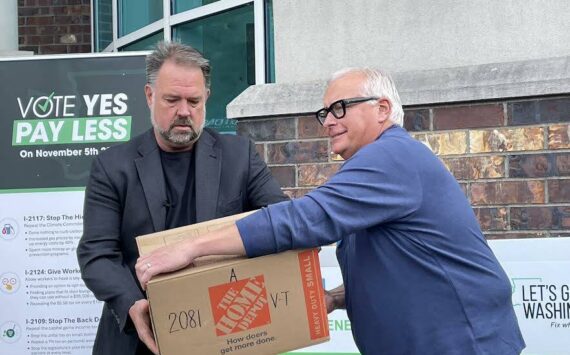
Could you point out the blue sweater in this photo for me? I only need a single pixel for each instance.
(419, 276)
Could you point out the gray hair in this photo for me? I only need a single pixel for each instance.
(181, 54)
(377, 83)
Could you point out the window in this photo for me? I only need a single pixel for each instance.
(143, 44)
(183, 5)
(103, 24)
(227, 40)
(235, 35)
(135, 14)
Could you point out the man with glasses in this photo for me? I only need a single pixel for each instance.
(419, 277)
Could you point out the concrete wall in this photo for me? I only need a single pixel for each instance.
(314, 38)
(8, 25)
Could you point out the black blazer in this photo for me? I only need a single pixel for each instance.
(125, 197)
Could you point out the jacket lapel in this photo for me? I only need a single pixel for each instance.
(207, 176)
(149, 168)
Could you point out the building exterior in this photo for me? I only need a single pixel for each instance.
(235, 35)
(485, 84)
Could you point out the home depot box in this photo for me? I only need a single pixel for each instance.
(263, 305)
(149, 242)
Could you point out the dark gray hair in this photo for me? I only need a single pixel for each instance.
(377, 83)
(181, 54)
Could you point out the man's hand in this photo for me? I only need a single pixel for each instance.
(166, 259)
(223, 241)
(139, 314)
(334, 299)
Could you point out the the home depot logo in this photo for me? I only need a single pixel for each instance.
(239, 305)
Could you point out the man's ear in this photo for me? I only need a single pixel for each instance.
(148, 94)
(384, 110)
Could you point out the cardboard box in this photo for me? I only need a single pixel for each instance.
(264, 305)
(149, 242)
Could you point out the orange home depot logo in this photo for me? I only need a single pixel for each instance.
(239, 305)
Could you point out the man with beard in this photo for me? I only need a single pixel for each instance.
(175, 174)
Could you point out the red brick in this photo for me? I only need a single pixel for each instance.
(492, 218)
(416, 120)
(457, 117)
(469, 168)
(297, 152)
(39, 20)
(539, 111)
(285, 175)
(531, 165)
(507, 192)
(559, 191)
(559, 137)
(267, 130)
(58, 10)
(28, 30)
(309, 127)
(562, 162)
(28, 11)
(66, 20)
(543, 218)
(316, 174)
(52, 30)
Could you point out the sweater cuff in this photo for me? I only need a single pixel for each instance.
(256, 234)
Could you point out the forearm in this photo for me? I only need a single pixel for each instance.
(225, 241)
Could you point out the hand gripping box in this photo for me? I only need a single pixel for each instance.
(264, 305)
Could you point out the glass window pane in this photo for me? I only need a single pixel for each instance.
(135, 14)
(103, 22)
(143, 44)
(183, 5)
(227, 40)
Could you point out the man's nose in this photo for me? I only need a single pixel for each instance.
(330, 120)
(183, 109)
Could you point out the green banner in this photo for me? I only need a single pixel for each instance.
(71, 131)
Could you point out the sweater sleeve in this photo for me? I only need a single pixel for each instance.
(376, 186)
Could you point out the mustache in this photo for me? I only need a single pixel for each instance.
(183, 122)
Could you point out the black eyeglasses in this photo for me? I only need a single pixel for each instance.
(338, 108)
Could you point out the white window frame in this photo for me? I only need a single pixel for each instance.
(168, 21)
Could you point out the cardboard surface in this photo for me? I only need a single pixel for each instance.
(149, 242)
(265, 305)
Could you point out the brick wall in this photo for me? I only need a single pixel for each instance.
(54, 26)
(511, 157)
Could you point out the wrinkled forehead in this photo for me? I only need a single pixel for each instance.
(347, 86)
